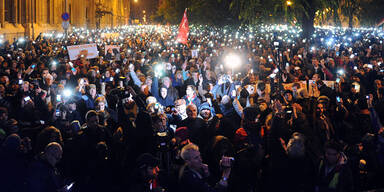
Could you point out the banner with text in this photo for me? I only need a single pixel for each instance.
(110, 35)
(112, 47)
(87, 50)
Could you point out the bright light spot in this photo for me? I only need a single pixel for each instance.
(60, 35)
(232, 60)
(276, 70)
(67, 93)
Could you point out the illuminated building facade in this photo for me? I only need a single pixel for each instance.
(31, 17)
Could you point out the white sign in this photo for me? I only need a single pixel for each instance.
(195, 53)
(65, 24)
(86, 50)
(108, 47)
(110, 35)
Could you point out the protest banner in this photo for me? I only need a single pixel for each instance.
(87, 50)
(111, 47)
(110, 35)
(195, 53)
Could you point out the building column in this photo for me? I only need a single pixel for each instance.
(2, 13)
(27, 24)
(92, 13)
(15, 12)
(78, 13)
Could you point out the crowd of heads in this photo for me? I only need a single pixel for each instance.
(244, 100)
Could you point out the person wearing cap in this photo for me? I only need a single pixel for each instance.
(144, 176)
(206, 112)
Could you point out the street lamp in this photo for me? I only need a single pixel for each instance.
(288, 9)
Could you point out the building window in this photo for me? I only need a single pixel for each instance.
(48, 7)
(8, 11)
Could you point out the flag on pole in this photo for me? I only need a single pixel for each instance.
(182, 37)
(380, 23)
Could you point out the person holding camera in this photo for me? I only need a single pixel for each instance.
(193, 174)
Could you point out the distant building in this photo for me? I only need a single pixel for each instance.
(30, 17)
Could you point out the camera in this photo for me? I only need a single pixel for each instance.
(163, 141)
(226, 78)
(288, 109)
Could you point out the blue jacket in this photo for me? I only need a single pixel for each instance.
(89, 101)
(222, 90)
(167, 101)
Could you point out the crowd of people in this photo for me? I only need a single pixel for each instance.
(236, 109)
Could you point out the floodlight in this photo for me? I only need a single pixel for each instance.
(232, 61)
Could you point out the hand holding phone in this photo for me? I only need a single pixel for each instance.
(27, 98)
(68, 187)
(57, 113)
(58, 98)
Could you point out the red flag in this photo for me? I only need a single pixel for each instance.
(380, 23)
(182, 37)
